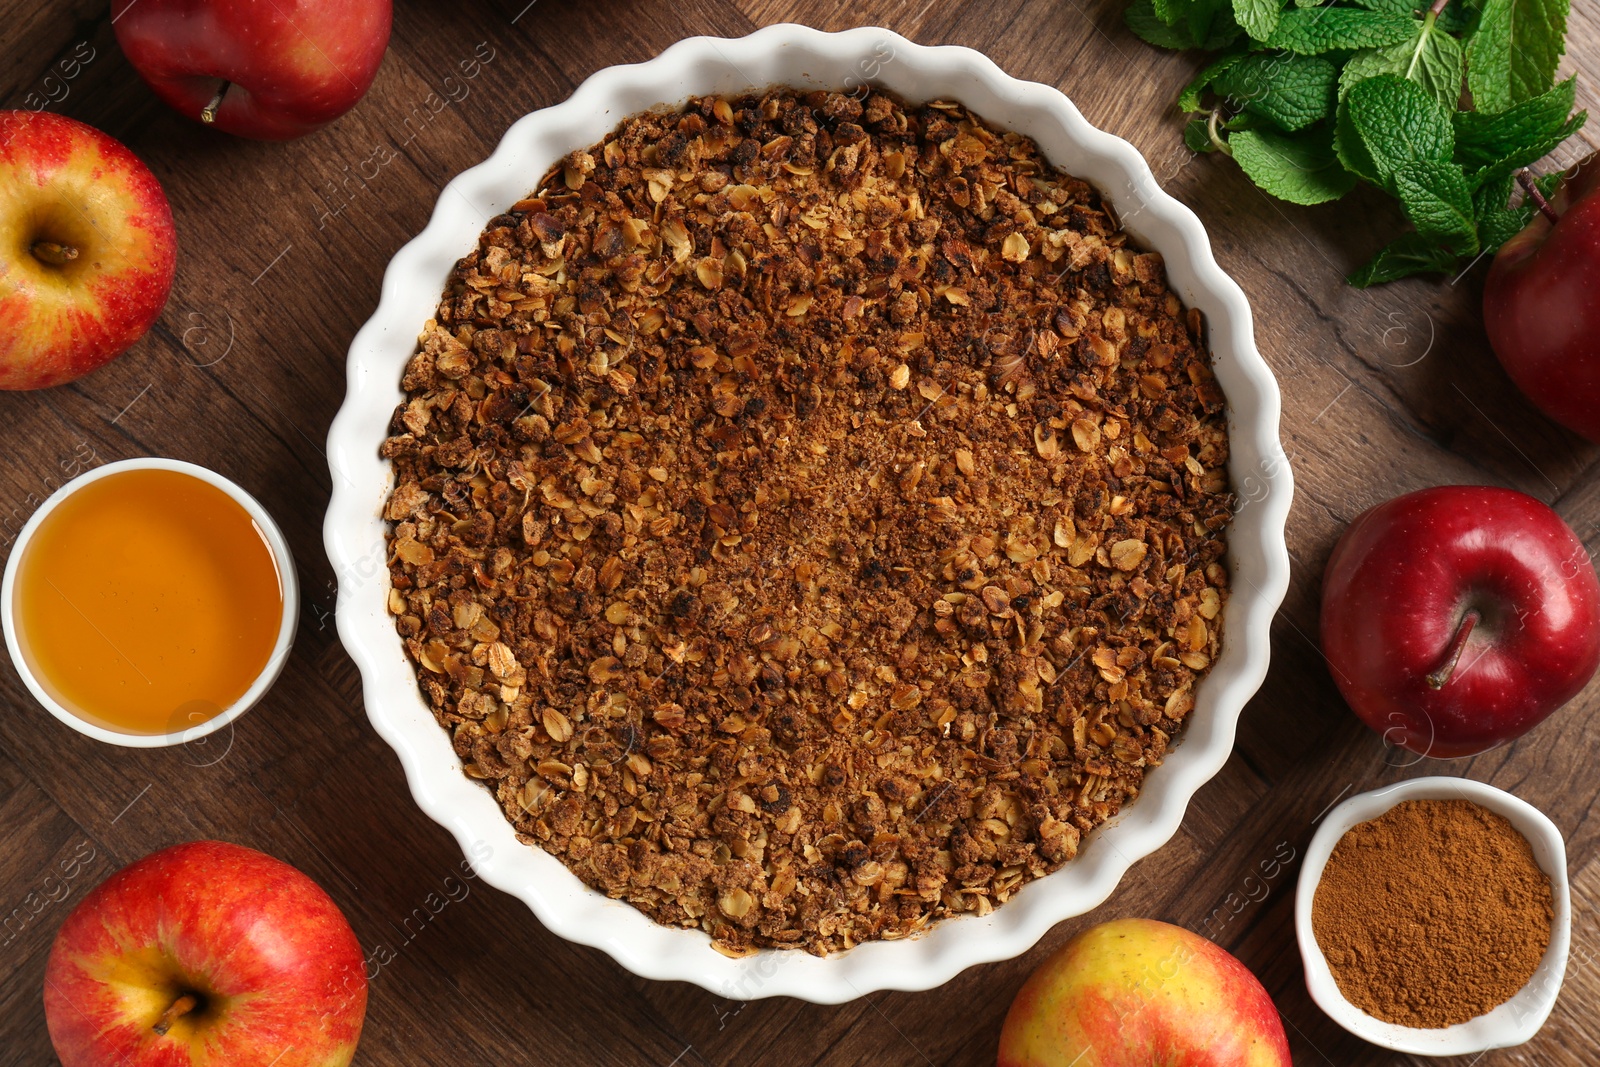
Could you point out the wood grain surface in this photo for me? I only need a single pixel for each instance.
(282, 250)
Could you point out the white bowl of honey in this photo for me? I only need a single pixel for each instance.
(149, 602)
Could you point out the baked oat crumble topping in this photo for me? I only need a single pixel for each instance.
(808, 516)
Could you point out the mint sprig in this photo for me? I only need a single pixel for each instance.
(1440, 107)
(1300, 168)
(1512, 56)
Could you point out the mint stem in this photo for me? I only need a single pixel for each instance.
(1216, 138)
(1525, 180)
(1428, 23)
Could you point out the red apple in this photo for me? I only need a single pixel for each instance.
(89, 249)
(1456, 618)
(205, 954)
(270, 69)
(1541, 305)
(1136, 992)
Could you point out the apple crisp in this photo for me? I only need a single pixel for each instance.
(808, 516)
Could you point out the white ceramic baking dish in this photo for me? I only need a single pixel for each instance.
(354, 532)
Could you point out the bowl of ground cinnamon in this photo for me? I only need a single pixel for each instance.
(1434, 917)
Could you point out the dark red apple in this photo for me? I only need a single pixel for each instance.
(201, 955)
(269, 69)
(87, 249)
(1541, 305)
(1456, 618)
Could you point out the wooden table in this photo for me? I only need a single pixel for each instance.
(282, 250)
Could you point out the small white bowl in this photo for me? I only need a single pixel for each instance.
(1513, 1022)
(354, 530)
(287, 581)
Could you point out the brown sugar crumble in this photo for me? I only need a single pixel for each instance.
(808, 516)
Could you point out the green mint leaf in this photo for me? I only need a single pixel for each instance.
(1386, 122)
(1213, 25)
(1183, 24)
(1172, 12)
(1201, 18)
(1499, 225)
(1300, 168)
(1492, 195)
(1408, 8)
(1461, 17)
(1513, 55)
(1531, 152)
(1312, 31)
(1290, 90)
(1258, 17)
(1189, 99)
(1210, 22)
(1207, 17)
(1457, 17)
(1432, 58)
(1197, 137)
(1142, 19)
(1438, 202)
(1411, 254)
(1521, 134)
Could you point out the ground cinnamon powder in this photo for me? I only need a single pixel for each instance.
(1433, 913)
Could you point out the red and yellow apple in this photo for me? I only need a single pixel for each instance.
(1137, 992)
(201, 955)
(87, 249)
(269, 69)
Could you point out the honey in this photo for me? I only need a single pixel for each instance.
(148, 601)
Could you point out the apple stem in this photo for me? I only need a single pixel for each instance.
(208, 114)
(185, 1003)
(1452, 655)
(57, 255)
(1525, 180)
